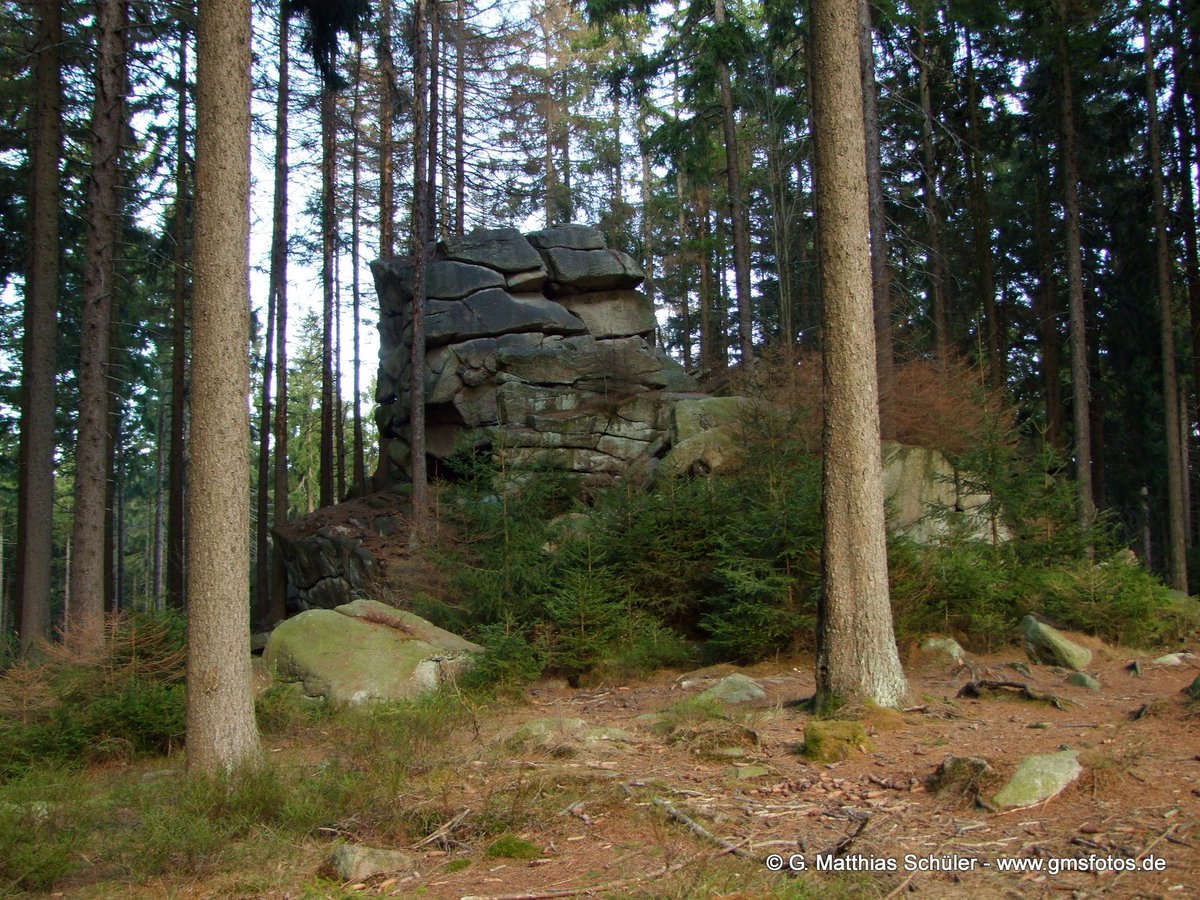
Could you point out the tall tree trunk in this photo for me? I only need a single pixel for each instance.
(339, 410)
(981, 222)
(387, 187)
(711, 351)
(856, 650)
(1176, 517)
(1046, 311)
(647, 205)
(433, 13)
(1078, 322)
(881, 286)
(221, 731)
(262, 542)
(177, 487)
(35, 488)
(737, 213)
(328, 255)
(358, 474)
(158, 554)
(420, 231)
(460, 112)
(85, 628)
(278, 606)
(937, 282)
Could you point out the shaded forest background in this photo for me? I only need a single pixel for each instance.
(1030, 155)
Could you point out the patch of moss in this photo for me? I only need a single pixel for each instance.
(511, 847)
(832, 740)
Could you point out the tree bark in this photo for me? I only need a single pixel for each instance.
(1080, 378)
(856, 651)
(460, 112)
(221, 731)
(737, 213)
(1046, 311)
(85, 627)
(35, 488)
(420, 231)
(432, 110)
(881, 286)
(177, 487)
(358, 475)
(328, 254)
(937, 285)
(277, 610)
(1176, 516)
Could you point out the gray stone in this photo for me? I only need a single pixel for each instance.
(711, 452)
(579, 271)
(355, 862)
(691, 416)
(1083, 680)
(1046, 645)
(573, 237)
(944, 645)
(613, 313)
(603, 367)
(741, 773)
(409, 623)
(1193, 690)
(494, 312)
(735, 688)
(477, 406)
(445, 280)
(526, 282)
(1038, 778)
(352, 660)
(1171, 659)
(503, 249)
(518, 401)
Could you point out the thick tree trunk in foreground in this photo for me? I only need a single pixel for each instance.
(221, 731)
(328, 254)
(1176, 517)
(35, 490)
(85, 626)
(856, 652)
(881, 284)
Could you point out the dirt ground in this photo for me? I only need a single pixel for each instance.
(685, 814)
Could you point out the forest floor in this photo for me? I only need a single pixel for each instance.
(609, 815)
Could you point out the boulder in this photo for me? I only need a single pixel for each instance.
(409, 623)
(1048, 646)
(580, 271)
(693, 415)
(711, 452)
(503, 249)
(356, 862)
(347, 658)
(735, 688)
(613, 313)
(572, 237)
(1083, 680)
(926, 497)
(944, 646)
(1038, 778)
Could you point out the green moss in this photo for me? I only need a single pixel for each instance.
(511, 847)
(832, 740)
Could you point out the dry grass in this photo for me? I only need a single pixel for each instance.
(943, 405)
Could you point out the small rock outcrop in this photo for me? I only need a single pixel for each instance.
(365, 651)
(1038, 778)
(1048, 646)
(537, 346)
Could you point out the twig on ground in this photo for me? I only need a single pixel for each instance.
(443, 832)
(588, 888)
(699, 830)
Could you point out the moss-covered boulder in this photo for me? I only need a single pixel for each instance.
(346, 658)
(1038, 778)
(832, 740)
(1050, 647)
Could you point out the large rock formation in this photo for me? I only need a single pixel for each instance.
(537, 346)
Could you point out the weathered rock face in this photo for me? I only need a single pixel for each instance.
(570, 382)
